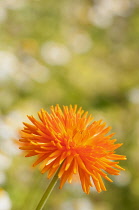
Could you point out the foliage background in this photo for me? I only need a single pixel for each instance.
(69, 52)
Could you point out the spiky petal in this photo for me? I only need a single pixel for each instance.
(68, 136)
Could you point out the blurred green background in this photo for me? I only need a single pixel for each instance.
(69, 52)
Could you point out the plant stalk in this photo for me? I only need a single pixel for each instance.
(48, 191)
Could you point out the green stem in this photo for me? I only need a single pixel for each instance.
(48, 191)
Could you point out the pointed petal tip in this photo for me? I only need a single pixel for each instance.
(42, 171)
(27, 155)
(33, 165)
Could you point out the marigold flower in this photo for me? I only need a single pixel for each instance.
(69, 138)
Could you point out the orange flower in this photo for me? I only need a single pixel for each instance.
(67, 138)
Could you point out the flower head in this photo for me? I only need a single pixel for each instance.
(67, 138)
